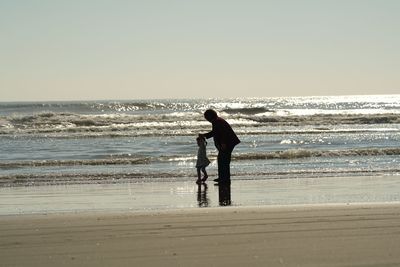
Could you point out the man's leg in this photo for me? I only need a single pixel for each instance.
(224, 194)
(224, 161)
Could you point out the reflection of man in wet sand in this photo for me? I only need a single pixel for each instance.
(225, 141)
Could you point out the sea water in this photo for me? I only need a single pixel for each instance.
(56, 143)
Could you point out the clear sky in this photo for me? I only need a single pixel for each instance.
(120, 49)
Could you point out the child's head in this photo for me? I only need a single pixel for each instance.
(201, 140)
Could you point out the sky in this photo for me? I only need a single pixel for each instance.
(149, 49)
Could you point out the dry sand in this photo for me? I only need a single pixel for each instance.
(341, 235)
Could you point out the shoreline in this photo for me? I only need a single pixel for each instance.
(176, 195)
(319, 235)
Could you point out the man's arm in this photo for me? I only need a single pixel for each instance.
(209, 134)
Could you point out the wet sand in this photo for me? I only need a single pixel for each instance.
(171, 195)
(310, 235)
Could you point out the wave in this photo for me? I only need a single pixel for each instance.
(328, 119)
(308, 153)
(81, 162)
(136, 160)
(247, 111)
(176, 123)
(46, 123)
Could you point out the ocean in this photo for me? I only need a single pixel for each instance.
(106, 142)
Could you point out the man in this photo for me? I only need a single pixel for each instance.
(225, 141)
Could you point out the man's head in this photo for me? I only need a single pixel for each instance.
(210, 115)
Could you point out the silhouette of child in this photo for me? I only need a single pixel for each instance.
(202, 160)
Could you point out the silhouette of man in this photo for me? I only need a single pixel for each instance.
(225, 141)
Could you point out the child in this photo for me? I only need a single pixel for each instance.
(202, 160)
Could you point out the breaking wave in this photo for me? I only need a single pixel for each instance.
(82, 162)
(132, 160)
(29, 179)
(308, 153)
(247, 111)
(329, 119)
(176, 123)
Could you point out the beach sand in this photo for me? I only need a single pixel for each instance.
(295, 235)
(335, 221)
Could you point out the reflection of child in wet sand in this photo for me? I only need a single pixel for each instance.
(202, 160)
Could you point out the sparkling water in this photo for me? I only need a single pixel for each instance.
(154, 140)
